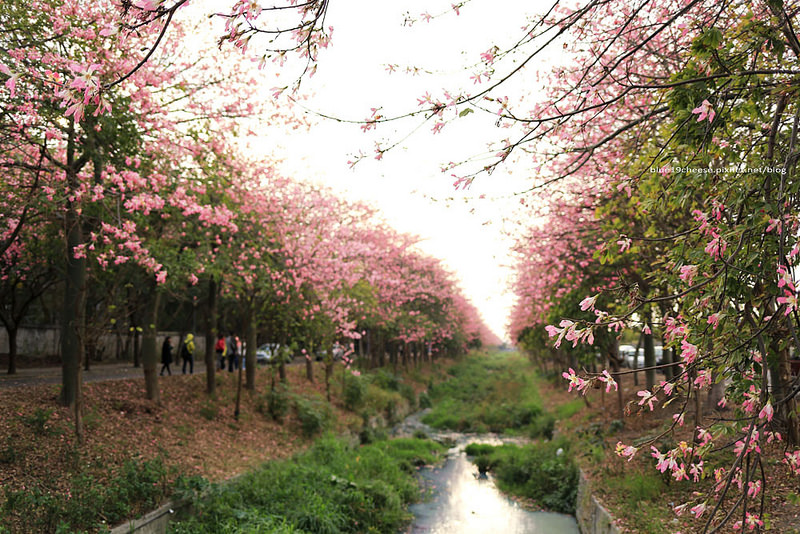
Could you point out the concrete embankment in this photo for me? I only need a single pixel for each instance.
(592, 517)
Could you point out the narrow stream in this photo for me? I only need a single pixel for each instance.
(459, 501)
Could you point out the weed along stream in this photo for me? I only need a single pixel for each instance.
(458, 499)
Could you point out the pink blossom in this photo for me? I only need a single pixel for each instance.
(793, 461)
(790, 300)
(647, 397)
(588, 303)
(626, 451)
(609, 381)
(703, 378)
(752, 521)
(716, 247)
(704, 110)
(488, 56)
(688, 272)
(785, 278)
(713, 320)
(699, 509)
(147, 5)
(688, 351)
(574, 380)
(766, 412)
(696, 470)
(664, 461)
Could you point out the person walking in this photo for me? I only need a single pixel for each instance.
(231, 351)
(166, 356)
(187, 353)
(220, 347)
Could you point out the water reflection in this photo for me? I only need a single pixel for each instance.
(464, 503)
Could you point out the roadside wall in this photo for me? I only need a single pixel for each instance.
(41, 344)
(592, 517)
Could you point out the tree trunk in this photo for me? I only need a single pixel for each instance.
(282, 371)
(788, 409)
(211, 337)
(12, 349)
(239, 387)
(250, 334)
(73, 319)
(310, 363)
(150, 353)
(328, 374)
(73, 312)
(649, 354)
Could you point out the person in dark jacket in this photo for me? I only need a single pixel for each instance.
(166, 356)
(231, 350)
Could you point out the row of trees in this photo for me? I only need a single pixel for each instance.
(662, 161)
(672, 213)
(122, 193)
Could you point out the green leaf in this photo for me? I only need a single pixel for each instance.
(465, 112)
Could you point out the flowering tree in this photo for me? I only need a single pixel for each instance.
(682, 113)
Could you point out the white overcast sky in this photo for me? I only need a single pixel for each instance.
(466, 232)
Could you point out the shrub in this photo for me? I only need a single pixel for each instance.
(312, 414)
(539, 472)
(355, 390)
(424, 400)
(542, 427)
(38, 421)
(381, 401)
(408, 393)
(479, 449)
(278, 402)
(386, 380)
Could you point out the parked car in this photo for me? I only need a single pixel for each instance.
(266, 352)
(338, 352)
(628, 353)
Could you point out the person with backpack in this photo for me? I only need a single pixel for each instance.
(232, 353)
(187, 353)
(221, 347)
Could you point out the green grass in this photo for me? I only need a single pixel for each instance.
(642, 494)
(490, 393)
(92, 504)
(332, 488)
(543, 471)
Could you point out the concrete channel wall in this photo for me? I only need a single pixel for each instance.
(153, 523)
(592, 517)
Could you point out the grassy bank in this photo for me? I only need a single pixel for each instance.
(333, 488)
(137, 451)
